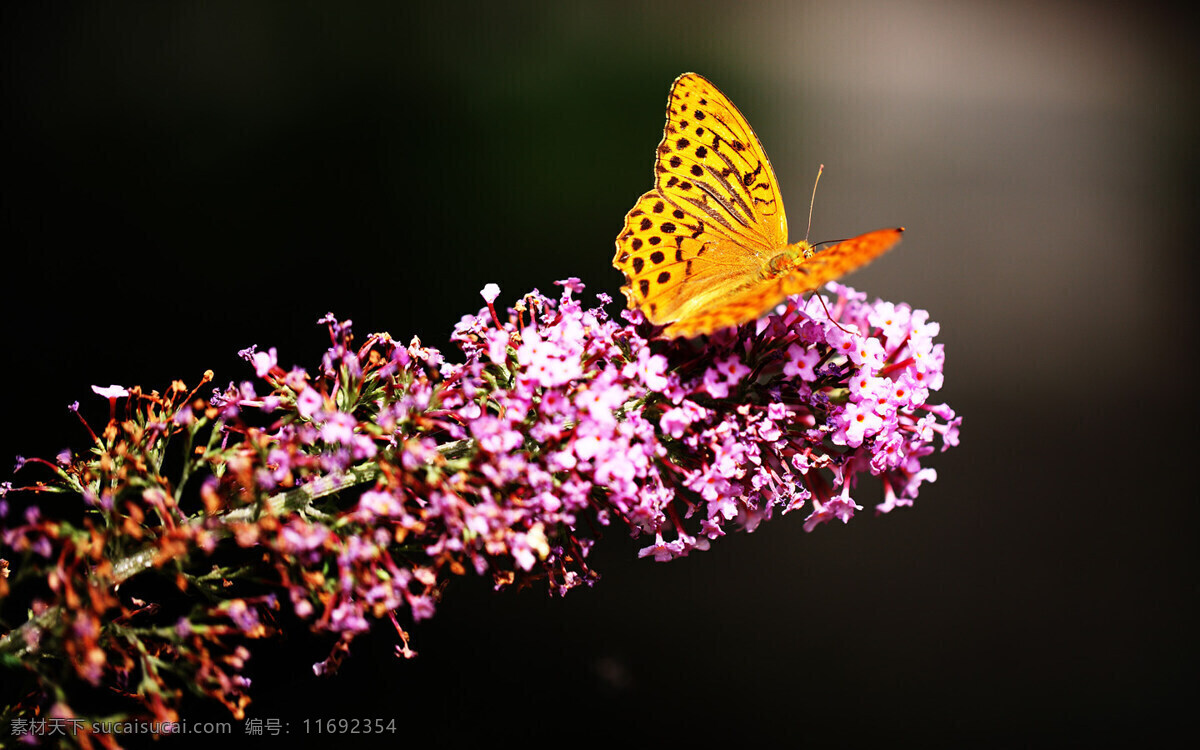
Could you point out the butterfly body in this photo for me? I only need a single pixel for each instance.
(707, 247)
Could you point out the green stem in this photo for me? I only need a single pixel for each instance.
(296, 500)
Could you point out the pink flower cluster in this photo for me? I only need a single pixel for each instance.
(362, 486)
(562, 419)
(681, 439)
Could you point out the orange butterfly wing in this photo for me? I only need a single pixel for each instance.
(753, 300)
(697, 251)
(835, 261)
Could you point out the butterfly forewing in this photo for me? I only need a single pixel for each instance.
(832, 262)
(712, 164)
(715, 214)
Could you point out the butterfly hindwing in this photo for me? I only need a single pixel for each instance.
(730, 309)
(750, 301)
(670, 264)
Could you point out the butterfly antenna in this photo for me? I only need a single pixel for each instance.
(812, 202)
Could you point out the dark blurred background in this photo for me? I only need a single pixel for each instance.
(183, 180)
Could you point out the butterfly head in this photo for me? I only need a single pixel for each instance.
(786, 261)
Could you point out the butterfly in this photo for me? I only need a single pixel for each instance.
(707, 247)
